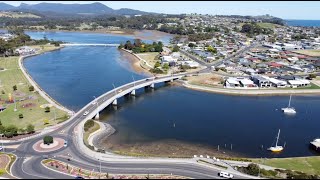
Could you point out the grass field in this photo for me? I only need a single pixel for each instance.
(309, 165)
(309, 52)
(30, 102)
(93, 129)
(149, 57)
(265, 25)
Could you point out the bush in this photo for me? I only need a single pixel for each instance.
(47, 109)
(14, 87)
(88, 125)
(30, 129)
(20, 116)
(11, 131)
(48, 140)
(253, 169)
(31, 88)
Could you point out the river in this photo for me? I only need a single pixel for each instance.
(171, 119)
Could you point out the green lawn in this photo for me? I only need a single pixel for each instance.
(309, 165)
(33, 114)
(93, 129)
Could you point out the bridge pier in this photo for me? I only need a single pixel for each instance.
(115, 102)
(133, 93)
(97, 116)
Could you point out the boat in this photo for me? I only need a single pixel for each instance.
(289, 110)
(276, 148)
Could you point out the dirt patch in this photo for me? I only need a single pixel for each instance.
(28, 105)
(207, 80)
(4, 160)
(166, 148)
(134, 62)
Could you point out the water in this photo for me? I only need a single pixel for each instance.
(308, 23)
(213, 119)
(73, 75)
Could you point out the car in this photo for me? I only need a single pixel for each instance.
(79, 177)
(1, 148)
(147, 79)
(225, 175)
(120, 90)
(65, 143)
(86, 113)
(45, 157)
(94, 102)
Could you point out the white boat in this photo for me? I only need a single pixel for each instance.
(276, 148)
(289, 110)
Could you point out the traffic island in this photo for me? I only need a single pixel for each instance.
(56, 144)
(68, 169)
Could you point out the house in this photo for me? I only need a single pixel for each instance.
(261, 81)
(191, 64)
(168, 59)
(239, 82)
(299, 83)
(25, 50)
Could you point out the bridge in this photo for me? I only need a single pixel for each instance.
(110, 97)
(84, 44)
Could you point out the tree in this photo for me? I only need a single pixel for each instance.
(47, 109)
(253, 169)
(14, 87)
(166, 66)
(191, 45)
(11, 131)
(20, 116)
(48, 140)
(46, 121)
(157, 64)
(22, 130)
(311, 76)
(2, 128)
(31, 88)
(212, 50)
(30, 129)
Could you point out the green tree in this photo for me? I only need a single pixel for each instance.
(2, 128)
(46, 121)
(22, 130)
(157, 64)
(30, 129)
(14, 87)
(212, 50)
(48, 140)
(191, 45)
(20, 116)
(31, 88)
(11, 131)
(166, 66)
(47, 109)
(311, 76)
(253, 169)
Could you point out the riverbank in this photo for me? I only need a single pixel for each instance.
(253, 92)
(138, 64)
(28, 108)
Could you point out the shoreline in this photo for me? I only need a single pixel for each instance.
(38, 88)
(252, 92)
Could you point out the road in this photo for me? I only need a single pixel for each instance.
(28, 161)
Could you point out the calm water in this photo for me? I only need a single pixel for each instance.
(308, 23)
(74, 75)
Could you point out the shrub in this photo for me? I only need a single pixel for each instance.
(48, 140)
(14, 87)
(30, 129)
(20, 116)
(47, 109)
(31, 88)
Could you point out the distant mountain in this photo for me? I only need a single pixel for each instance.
(4, 6)
(93, 8)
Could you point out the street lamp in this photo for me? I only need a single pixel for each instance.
(115, 92)
(134, 82)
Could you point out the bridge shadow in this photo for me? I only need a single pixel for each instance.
(129, 100)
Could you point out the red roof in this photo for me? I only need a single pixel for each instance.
(253, 59)
(274, 64)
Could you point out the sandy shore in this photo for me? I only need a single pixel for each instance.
(134, 63)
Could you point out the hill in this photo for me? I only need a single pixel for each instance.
(4, 6)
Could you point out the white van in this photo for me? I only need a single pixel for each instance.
(225, 175)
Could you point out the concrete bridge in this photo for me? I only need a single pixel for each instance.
(110, 97)
(71, 44)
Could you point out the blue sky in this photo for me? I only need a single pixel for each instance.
(283, 9)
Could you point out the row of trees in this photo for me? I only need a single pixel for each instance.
(12, 130)
(139, 47)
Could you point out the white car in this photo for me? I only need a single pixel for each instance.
(1, 148)
(94, 102)
(65, 143)
(225, 175)
(120, 91)
(86, 113)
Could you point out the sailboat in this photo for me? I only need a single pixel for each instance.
(276, 148)
(289, 110)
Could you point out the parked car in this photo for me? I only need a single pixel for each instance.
(79, 177)
(225, 175)
(1, 148)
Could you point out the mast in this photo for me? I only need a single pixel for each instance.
(278, 138)
(289, 101)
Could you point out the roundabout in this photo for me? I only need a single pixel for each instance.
(57, 144)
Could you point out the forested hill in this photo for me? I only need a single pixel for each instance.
(93, 8)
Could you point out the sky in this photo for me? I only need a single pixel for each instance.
(306, 10)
